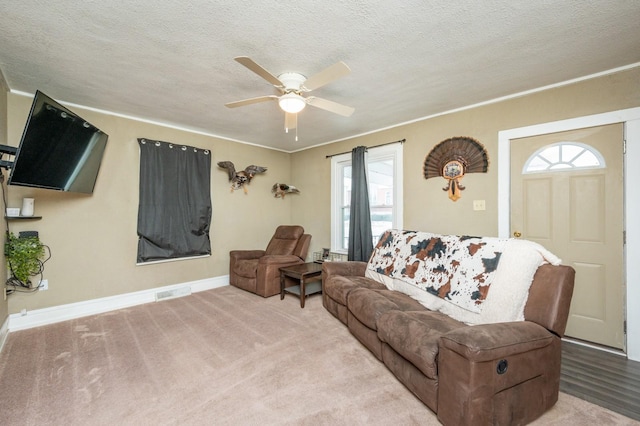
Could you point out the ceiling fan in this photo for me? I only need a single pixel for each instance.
(292, 86)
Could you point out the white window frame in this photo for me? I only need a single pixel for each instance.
(391, 151)
(568, 163)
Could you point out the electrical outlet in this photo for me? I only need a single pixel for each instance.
(479, 205)
(44, 285)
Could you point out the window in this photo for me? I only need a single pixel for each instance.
(564, 156)
(174, 210)
(384, 177)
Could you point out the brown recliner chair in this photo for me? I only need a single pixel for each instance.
(258, 271)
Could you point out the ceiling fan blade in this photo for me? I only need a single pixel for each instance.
(249, 63)
(250, 101)
(290, 120)
(330, 106)
(326, 76)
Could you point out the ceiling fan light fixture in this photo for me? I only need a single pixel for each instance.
(291, 103)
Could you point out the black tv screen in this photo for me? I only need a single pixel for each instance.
(59, 150)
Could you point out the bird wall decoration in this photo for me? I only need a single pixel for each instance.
(279, 190)
(239, 178)
(452, 159)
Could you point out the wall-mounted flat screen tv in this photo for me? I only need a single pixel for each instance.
(59, 150)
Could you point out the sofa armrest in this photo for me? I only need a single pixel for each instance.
(495, 341)
(246, 254)
(503, 373)
(550, 297)
(279, 259)
(346, 269)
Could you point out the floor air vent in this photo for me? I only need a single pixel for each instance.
(172, 294)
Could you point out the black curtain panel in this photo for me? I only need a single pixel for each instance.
(360, 234)
(174, 212)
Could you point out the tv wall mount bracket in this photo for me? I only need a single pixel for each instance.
(9, 150)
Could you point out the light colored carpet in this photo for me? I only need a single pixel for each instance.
(220, 357)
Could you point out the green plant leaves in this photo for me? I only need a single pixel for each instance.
(24, 257)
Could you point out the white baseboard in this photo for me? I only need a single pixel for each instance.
(39, 317)
(4, 333)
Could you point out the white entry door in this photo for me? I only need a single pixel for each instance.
(567, 194)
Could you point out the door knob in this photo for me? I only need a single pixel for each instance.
(517, 234)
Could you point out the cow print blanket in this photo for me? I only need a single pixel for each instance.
(458, 269)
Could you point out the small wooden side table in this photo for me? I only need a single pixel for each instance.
(304, 273)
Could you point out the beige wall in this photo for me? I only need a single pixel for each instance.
(93, 238)
(4, 306)
(426, 205)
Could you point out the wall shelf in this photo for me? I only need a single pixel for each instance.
(23, 217)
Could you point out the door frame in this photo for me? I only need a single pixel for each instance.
(631, 119)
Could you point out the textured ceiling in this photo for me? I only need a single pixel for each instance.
(172, 62)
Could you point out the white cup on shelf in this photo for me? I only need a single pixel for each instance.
(27, 206)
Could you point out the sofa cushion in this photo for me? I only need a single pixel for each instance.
(284, 240)
(368, 305)
(338, 287)
(415, 336)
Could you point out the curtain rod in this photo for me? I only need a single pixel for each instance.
(375, 146)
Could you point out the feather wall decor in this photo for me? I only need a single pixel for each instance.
(279, 190)
(452, 159)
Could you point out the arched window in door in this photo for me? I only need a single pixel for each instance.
(564, 156)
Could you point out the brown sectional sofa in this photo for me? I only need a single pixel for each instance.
(499, 373)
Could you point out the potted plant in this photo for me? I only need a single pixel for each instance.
(24, 256)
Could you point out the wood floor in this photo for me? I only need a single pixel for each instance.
(602, 378)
